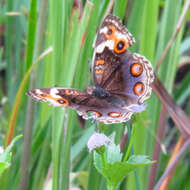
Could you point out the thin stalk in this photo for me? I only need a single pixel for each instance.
(24, 171)
(132, 151)
(30, 106)
(94, 177)
(109, 8)
(29, 53)
(174, 35)
(19, 94)
(157, 148)
(131, 139)
(8, 46)
(177, 114)
(180, 148)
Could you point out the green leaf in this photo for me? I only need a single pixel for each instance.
(114, 170)
(113, 154)
(5, 157)
(139, 160)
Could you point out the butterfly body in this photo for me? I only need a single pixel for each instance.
(122, 79)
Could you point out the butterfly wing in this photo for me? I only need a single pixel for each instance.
(86, 104)
(104, 66)
(111, 43)
(127, 77)
(131, 82)
(115, 70)
(113, 35)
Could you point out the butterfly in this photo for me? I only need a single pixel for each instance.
(122, 79)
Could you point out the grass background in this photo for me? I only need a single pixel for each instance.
(54, 143)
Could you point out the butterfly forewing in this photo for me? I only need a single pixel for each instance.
(85, 103)
(105, 64)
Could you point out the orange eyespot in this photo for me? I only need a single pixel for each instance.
(63, 101)
(110, 32)
(99, 71)
(76, 92)
(136, 69)
(99, 62)
(115, 114)
(120, 46)
(98, 114)
(138, 88)
(68, 92)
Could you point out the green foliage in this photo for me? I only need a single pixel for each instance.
(111, 166)
(6, 156)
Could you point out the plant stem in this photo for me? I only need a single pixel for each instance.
(130, 137)
(111, 187)
(104, 159)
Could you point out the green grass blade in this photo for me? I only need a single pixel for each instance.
(77, 37)
(120, 8)
(147, 48)
(17, 102)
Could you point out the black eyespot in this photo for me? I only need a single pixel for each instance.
(120, 45)
(43, 95)
(109, 32)
(61, 101)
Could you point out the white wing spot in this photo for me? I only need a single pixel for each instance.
(38, 91)
(100, 48)
(53, 92)
(104, 30)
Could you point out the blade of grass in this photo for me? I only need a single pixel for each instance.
(44, 161)
(24, 176)
(135, 21)
(58, 13)
(8, 47)
(179, 150)
(175, 33)
(77, 37)
(94, 177)
(30, 45)
(18, 98)
(119, 8)
(157, 148)
(170, 14)
(147, 48)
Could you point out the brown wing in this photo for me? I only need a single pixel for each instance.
(85, 103)
(104, 65)
(111, 43)
(110, 46)
(113, 35)
(131, 81)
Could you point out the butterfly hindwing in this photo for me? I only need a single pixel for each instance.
(131, 81)
(86, 104)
